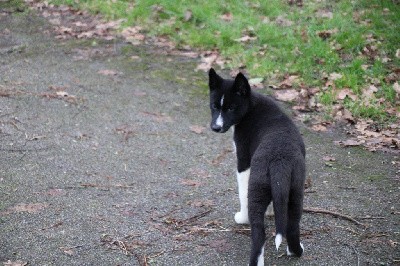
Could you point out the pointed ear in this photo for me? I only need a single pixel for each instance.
(241, 85)
(214, 80)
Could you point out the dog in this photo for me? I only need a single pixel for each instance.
(270, 161)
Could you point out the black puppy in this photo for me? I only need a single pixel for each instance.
(268, 143)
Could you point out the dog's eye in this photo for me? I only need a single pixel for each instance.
(214, 106)
(232, 108)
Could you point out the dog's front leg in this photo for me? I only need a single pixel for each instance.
(242, 217)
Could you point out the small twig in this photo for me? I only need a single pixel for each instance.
(310, 191)
(347, 187)
(195, 217)
(336, 214)
(371, 217)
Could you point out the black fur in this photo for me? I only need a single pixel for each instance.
(268, 142)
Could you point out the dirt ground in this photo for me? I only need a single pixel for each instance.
(106, 159)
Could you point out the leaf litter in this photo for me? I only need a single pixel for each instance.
(71, 23)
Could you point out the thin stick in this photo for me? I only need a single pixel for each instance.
(336, 214)
(195, 217)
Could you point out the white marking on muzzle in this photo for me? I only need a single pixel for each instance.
(220, 121)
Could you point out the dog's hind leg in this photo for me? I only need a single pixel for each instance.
(259, 198)
(295, 209)
(280, 185)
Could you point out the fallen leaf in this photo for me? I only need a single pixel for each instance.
(325, 34)
(158, 117)
(55, 21)
(246, 38)
(56, 192)
(28, 207)
(335, 76)
(228, 17)
(201, 203)
(319, 128)
(396, 88)
(139, 93)
(369, 92)
(322, 13)
(107, 72)
(188, 15)
(329, 158)
(256, 83)
(15, 263)
(190, 182)
(220, 245)
(350, 142)
(286, 95)
(62, 93)
(207, 59)
(283, 22)
(289, 81)
(346, 93)
(133, 35)
(68, 251)
(199, 173)
(197, 129)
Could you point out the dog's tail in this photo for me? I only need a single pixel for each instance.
(280, 187)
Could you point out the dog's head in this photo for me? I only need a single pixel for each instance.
(229, 100)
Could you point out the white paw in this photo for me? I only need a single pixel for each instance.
(260, 259)
(242, 218)
(278, 241)
(292, 254)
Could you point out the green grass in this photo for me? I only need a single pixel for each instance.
(279, 50)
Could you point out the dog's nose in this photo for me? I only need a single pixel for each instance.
(216, 128)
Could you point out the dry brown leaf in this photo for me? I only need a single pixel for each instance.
(197, 129)
(62, 93)
(207, 59)
(201, 203)
(289, 81)
(351, 142)
(322, 13)
(369, 92)
(67, 250)
(28, 207)
(319, 128)
(335, 76)
(346, 93)
(107, 72)
(256, 83)
(396, 88)
(246, 38)
(188, 15)
(133, 35)
(158, 117)
(286, 95)
(325, 34)
(283, 22)
(190, 182)
(56, 192)
(199, 173)
(228, 17)
(15, 263)
(329, 158)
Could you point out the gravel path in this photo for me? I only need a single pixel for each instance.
(106, 159)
